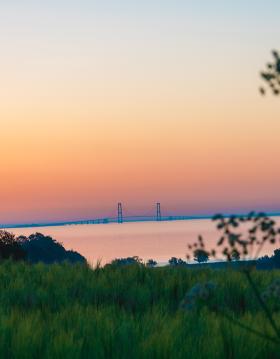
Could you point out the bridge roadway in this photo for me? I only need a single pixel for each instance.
(125, 219)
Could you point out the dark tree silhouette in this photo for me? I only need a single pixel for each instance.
(267, 262)
(235, 255)
(151, 263)
(126, 261)
(174, 262)
(200, 256)
(264, 263)
(40, 248)
(276, 258)
(10, 247)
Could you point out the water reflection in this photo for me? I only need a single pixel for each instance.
(157, 240)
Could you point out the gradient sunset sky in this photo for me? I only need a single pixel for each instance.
(139, 102)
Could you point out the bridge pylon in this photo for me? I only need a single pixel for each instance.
(158, 212)
(120, 213)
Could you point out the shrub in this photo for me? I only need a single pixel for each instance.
(174, 262)
(126, 261)
(151, 263)
(10, 247)
(40, 248)
(200, 256)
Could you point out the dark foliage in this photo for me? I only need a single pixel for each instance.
(126, 261)
(272, 75)
(175, 262)
(40, 248)
(151, 263)
(241, 236)
(10, 247)
(264, 263)
(200, 256)
(235, 242)
(267, 262)
(235, 255)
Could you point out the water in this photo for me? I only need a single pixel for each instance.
(157, 240)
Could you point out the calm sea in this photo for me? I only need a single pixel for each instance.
(157, 240)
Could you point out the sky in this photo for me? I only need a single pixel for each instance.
(139, 102)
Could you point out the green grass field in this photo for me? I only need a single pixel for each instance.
(66, 311)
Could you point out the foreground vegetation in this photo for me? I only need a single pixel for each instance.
(132, 309)
(73, 311)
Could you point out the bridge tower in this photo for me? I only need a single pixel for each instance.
(158, 212)
(120, 213)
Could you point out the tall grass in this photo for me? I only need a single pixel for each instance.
(66, 311)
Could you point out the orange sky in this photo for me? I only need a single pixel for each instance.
(105, 106)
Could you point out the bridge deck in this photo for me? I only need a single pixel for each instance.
(116, 220)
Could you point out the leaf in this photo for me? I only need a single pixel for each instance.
(267, 76)
(220, 226)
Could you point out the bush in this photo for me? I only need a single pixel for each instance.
(151, 263)
(10, 247)
(267, 262)
(200, 256)
(174, 262)
(40, 248)
(126, 261)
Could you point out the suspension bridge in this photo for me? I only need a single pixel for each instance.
(119, 218)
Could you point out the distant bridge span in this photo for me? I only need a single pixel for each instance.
(119, 219)
(104, 221)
